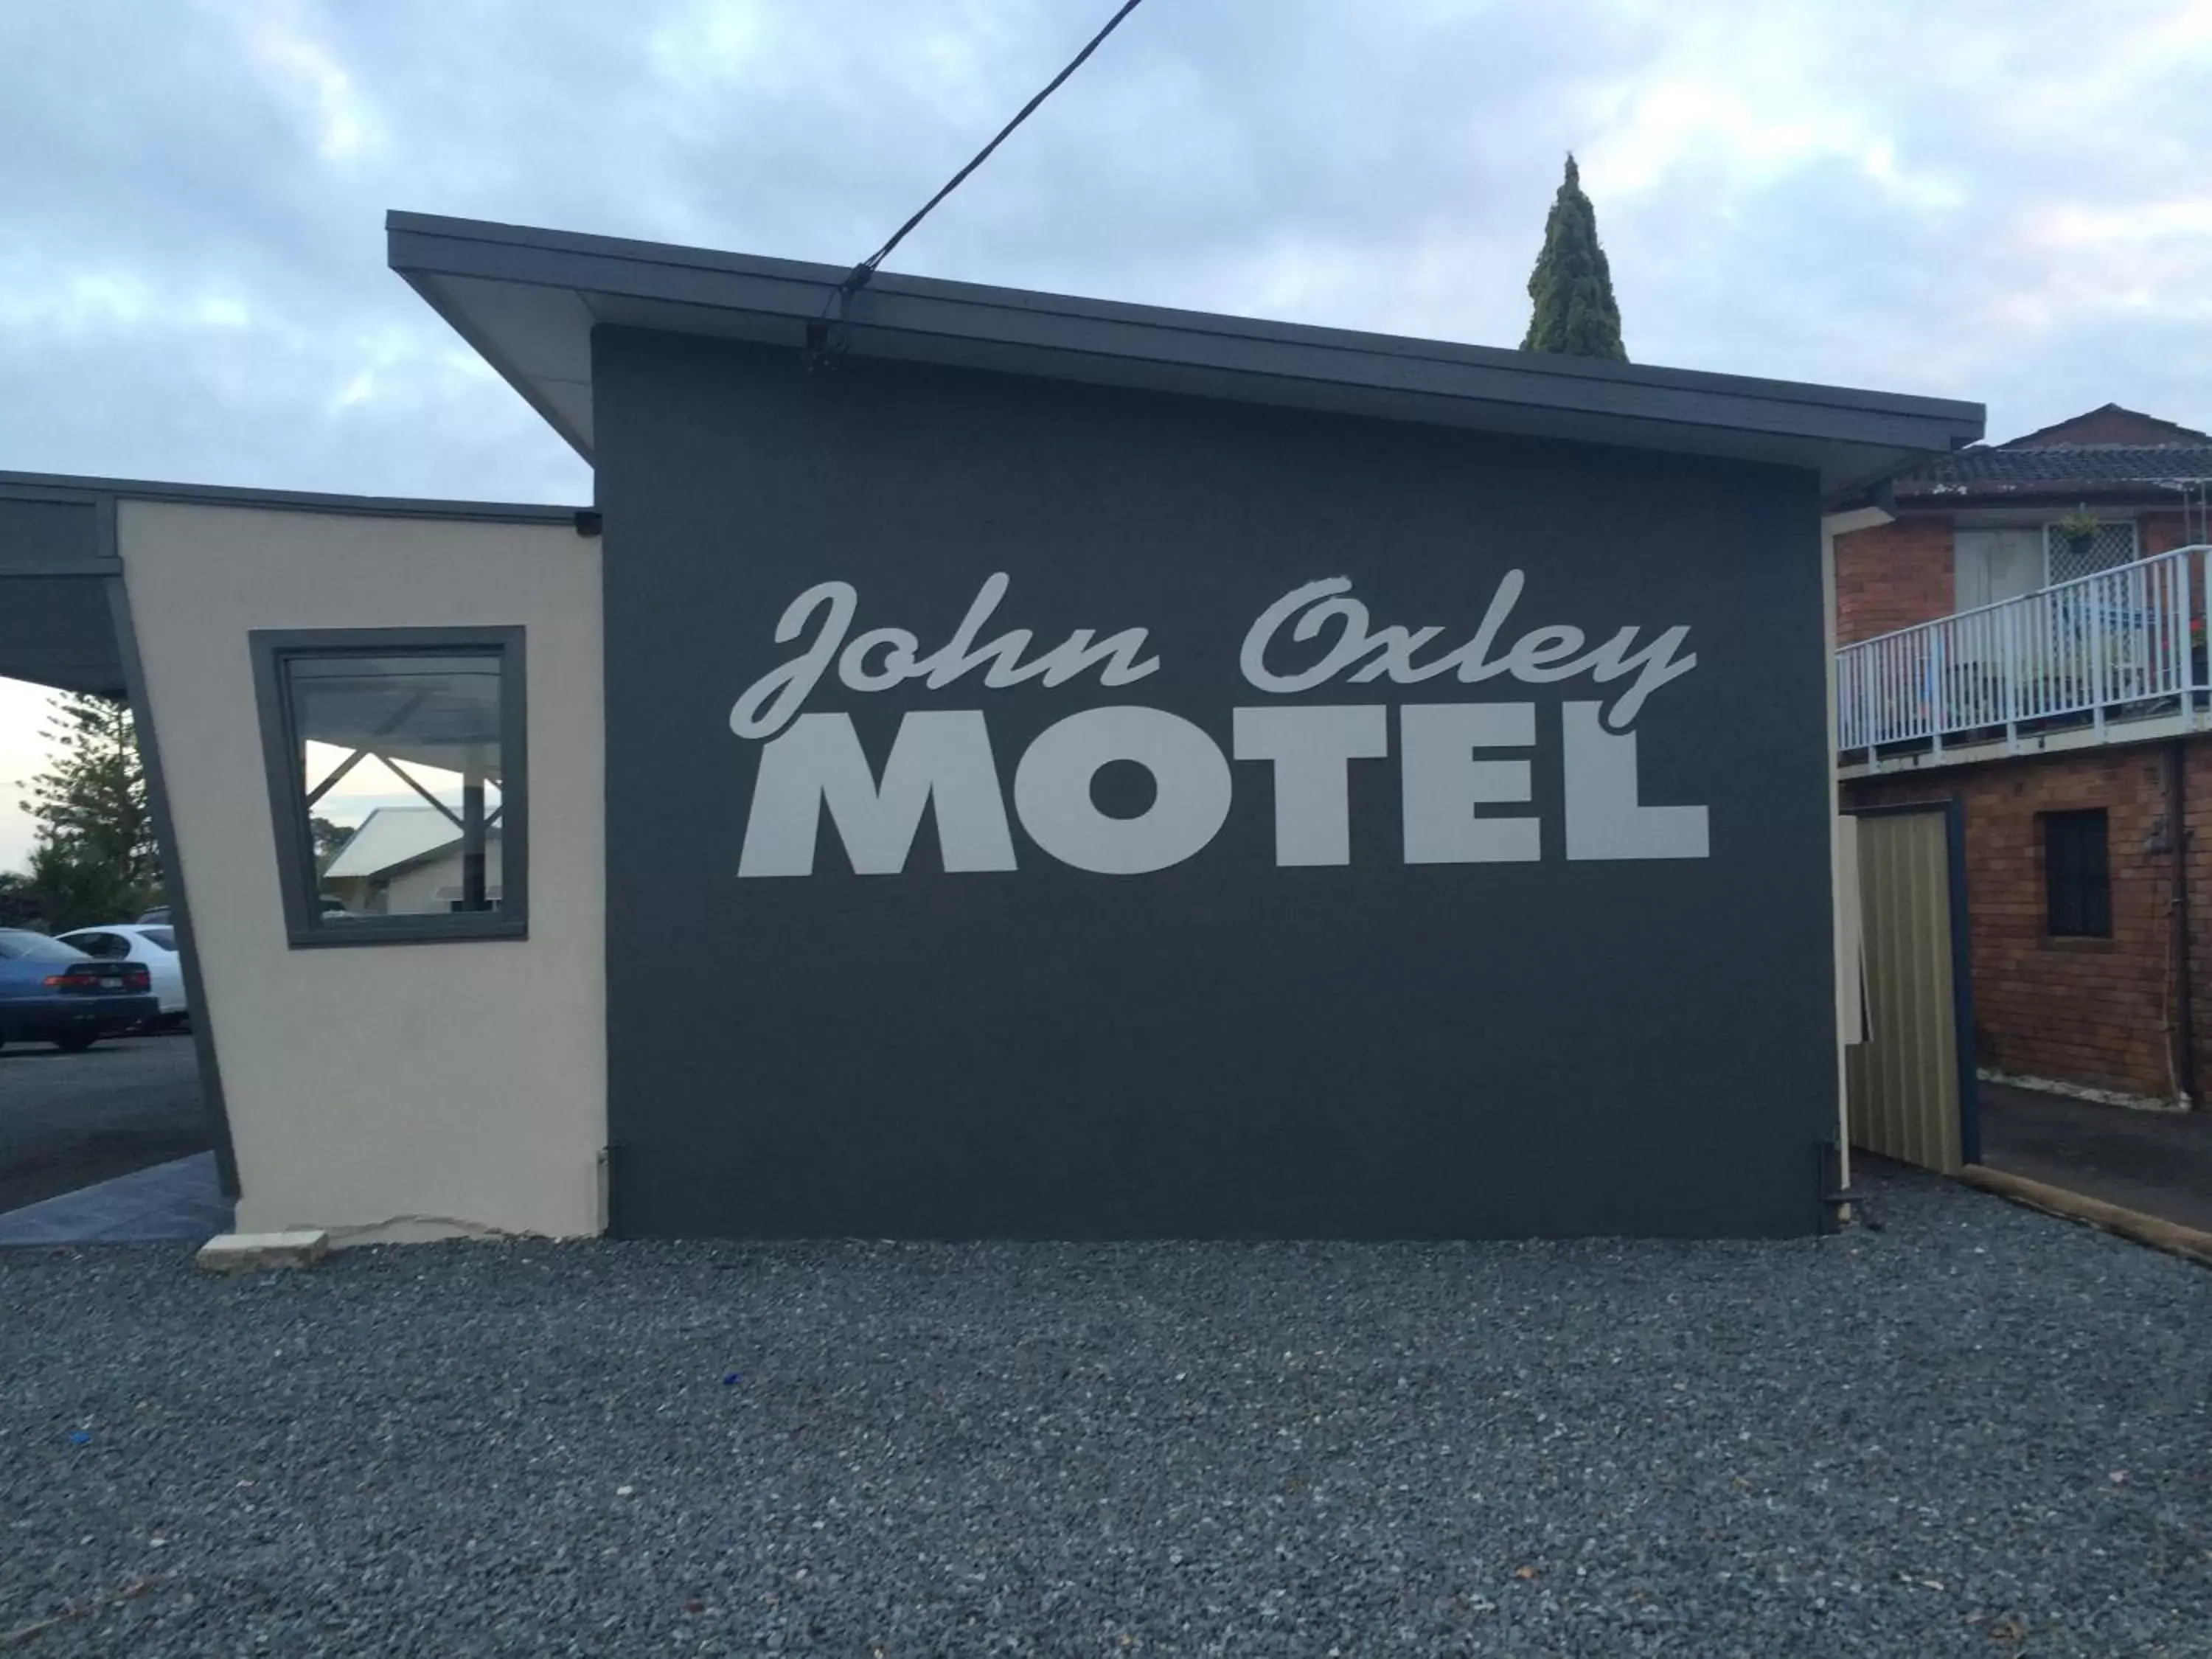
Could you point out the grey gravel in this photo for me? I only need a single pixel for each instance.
(1976, 1431)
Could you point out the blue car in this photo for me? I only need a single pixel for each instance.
(54, 993)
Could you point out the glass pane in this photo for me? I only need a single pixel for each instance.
(400, 757)
(160, 938)
(25, 946)
(2077, 881)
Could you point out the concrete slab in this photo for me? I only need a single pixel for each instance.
(67, 1120)
(2154, 1230)
(2158, 1163)
(181, 1199)
(238, 1253)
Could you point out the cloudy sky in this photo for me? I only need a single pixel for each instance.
(2004, 200)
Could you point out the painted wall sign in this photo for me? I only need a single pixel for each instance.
(943, 759)
(1037, 810)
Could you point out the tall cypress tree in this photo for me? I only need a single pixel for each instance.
(95, 858)
(1571, 284)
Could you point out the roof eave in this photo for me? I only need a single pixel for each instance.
(528, 299)
(2039, 493)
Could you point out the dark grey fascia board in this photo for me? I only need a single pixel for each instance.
(64, 487)
(796, 289)
(54, 533)
(483, 278)
(96, 566)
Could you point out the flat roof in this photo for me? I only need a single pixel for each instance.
(527, 299)
(58, 626)
(72, 487)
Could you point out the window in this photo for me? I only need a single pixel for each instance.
(20, 944)
(161, 938)
(395, 760)
(2077, 884)
(100, 945)
(2111, 545)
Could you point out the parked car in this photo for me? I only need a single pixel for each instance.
(130, 941)
(156, 917)
(53, 993)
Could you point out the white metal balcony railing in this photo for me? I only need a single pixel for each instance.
(2116, 644)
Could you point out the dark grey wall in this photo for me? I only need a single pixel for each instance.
(1222, 1048)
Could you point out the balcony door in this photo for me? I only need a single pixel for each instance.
(1992, 565)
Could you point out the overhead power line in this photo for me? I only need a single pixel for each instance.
(857, 278)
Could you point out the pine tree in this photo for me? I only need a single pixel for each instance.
(19, 903)
(95, 858)
(1571, 284)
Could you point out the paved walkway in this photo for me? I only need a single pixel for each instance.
(67, 1120)
(182, 1199)
(2160, 1162)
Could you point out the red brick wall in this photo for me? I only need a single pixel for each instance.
(1901, 573)
(2087, 1011)
(2197, 779)
(1892, 576)
(2160, 532)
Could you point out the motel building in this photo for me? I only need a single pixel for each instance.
(992, 764)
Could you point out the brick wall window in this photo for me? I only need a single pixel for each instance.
(2077, 884)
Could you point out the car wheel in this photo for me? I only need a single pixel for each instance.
(77, 1043)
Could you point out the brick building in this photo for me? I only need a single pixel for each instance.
(2024, 633)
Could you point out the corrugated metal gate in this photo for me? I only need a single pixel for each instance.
(1911, 1081)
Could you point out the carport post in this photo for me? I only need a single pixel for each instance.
(172, 865)
(472, 838)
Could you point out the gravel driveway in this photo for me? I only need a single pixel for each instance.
(1977, 1431)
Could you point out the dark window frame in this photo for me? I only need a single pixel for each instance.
(284, 759)
(2077, 875)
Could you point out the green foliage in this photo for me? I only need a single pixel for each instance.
(1571, 285)
(19, 904)
(330, 840)
(95, 858)
(73, 891)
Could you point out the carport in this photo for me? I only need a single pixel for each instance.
(65, 624)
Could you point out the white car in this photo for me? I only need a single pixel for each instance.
(155, 946)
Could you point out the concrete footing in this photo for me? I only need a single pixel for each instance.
(233, 1252)
(2154, 1230)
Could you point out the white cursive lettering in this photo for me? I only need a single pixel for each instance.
(1539, 657)
(885, 657)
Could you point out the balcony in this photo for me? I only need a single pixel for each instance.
(2116, 657)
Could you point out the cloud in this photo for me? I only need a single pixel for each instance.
(304, 76)
(1995, 199)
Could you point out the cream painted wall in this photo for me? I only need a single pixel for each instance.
(414, 890)
(399, 1090)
